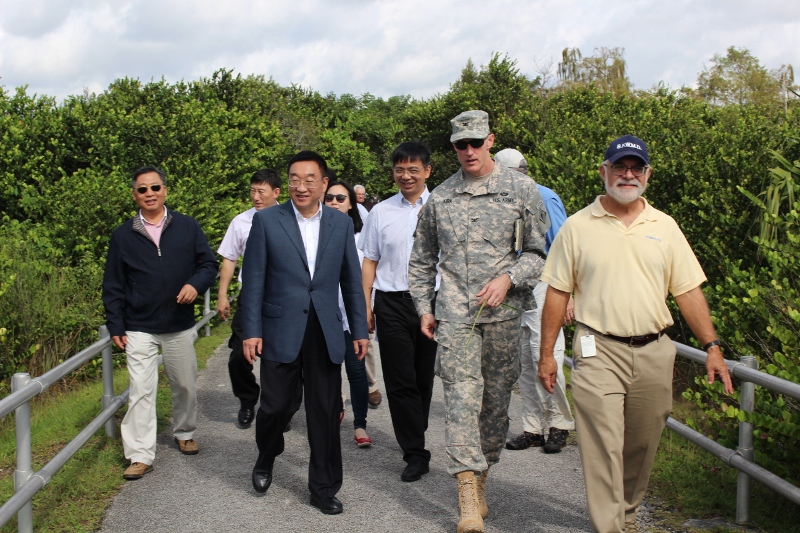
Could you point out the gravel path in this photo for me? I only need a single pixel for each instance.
(211, 491)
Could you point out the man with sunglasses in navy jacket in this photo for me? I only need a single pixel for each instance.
(158, 262)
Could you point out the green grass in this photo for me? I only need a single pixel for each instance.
(77, 496)
(692, 483)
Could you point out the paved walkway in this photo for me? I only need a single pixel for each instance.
(527, 490)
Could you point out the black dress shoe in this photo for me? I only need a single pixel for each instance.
(262, 476)
(327, 504)
(246, 416)
(414, 470)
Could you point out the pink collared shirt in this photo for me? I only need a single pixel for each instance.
(154, 230)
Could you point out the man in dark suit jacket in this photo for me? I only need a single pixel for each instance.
(298, 255)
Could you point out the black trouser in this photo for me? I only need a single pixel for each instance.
(243, 381)
(407, 359)
(282, 388)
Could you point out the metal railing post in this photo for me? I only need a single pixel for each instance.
(207, 309)
(108, 379)
(24, 471)
(743, 483)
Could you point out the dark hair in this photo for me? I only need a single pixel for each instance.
(147, 170)
(330, 174)
(268, 176)
(411, 151)
(308, 155)
(358, 224)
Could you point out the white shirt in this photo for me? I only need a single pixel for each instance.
(235, 240)
(363, 212)
(309, 231)
(387, 238)
(345, 323)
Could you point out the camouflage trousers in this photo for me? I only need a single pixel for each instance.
(477, 384)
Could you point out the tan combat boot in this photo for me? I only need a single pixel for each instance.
(470, 521)
(483, 508)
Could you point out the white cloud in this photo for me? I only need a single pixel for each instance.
(383, 47)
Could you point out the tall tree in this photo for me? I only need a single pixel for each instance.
(739, 78)
(606, 69)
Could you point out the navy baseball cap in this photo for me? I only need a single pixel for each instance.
(624, 146)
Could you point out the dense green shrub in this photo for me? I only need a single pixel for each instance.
(47, 309)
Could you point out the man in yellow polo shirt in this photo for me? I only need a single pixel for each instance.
(622, 257)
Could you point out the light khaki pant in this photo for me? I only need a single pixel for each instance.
(369, 362)
(138, 428)
(622, 400)
(540, 409)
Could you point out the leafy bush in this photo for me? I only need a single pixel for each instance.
(48, 311)
(758, 313)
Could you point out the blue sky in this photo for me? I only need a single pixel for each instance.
(388, 47)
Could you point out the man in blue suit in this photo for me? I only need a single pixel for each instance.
(298, 255)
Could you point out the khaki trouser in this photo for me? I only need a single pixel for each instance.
(540, 409)
(138, 428)
(622, 400)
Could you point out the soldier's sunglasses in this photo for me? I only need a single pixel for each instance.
(475, 143)
(143, 189)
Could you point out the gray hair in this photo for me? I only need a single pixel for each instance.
(356, 187)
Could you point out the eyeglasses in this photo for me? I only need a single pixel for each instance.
(475, 143)
(400, 171)
(308, 184)
(621, 170)
(339, 197)
(143, 188)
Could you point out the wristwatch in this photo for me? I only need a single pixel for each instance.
(511, 277)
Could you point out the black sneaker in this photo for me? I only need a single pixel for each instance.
(556, 440)
(525, 440)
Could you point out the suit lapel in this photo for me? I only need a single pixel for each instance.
(289, 225)
(325, 231)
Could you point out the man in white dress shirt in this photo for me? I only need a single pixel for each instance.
(265, 187)
(407, 356)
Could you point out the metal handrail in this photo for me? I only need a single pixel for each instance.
(26, 482)
(743, 457)
(741, 371)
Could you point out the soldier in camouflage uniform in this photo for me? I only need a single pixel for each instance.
(485, 227)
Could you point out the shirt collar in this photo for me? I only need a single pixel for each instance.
(598, 210)
(421, 200)
(299, 216)
(159, 222)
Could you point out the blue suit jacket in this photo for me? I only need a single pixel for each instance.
(277, 288)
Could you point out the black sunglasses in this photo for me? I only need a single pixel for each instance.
(475, 143)
(339, 197)
(143, 188)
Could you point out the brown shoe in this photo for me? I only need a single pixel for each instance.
(374, 399)
(188, 447)
(136, 471)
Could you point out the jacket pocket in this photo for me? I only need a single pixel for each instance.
(271, 310)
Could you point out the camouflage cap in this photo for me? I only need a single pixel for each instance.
(512, 159)
(470, 125)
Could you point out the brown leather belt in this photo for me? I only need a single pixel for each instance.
(637, 340)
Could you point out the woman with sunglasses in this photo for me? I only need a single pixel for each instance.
(340, 195)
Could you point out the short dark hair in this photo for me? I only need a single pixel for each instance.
(308, 155)
(268, 176)
(330, 174)
(354, 213)
(411, 151)
(147, 170)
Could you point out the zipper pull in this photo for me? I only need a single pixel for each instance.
(159, 250)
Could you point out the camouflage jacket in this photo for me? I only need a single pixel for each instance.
(471, 237)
